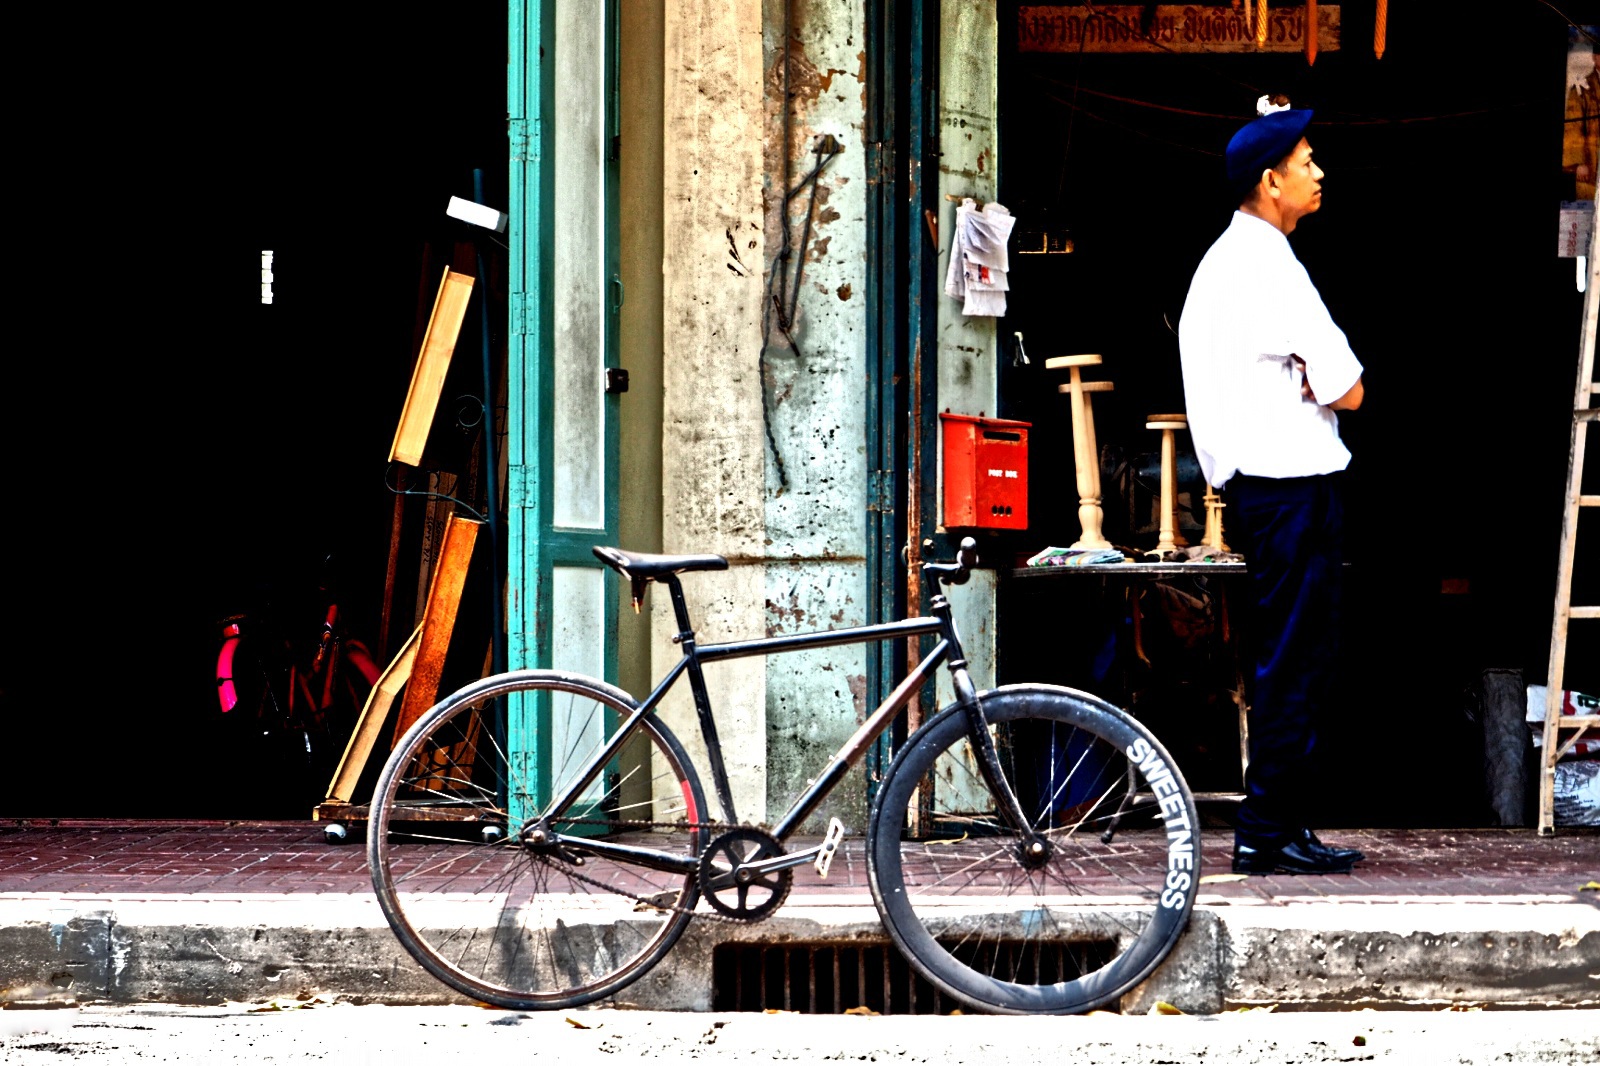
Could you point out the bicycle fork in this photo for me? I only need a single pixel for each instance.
(1033, 848)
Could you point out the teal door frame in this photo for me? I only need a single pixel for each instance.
(536, 545)
(902, 352)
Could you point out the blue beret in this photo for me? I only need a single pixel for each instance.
(1262, 143)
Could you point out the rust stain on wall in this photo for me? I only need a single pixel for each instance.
(844, 291)
(826, 80)
(805, 81)
(858, 695)
(784, 616)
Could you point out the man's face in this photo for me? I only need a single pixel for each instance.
(1299, 184)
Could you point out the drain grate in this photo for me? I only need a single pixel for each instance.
(830, 978)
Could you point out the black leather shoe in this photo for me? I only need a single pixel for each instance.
(1316, 846)
(1294, 857)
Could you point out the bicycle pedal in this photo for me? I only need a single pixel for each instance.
(830, 844)
(661, 901)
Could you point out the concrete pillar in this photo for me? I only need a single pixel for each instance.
(816, 393)
(969, 375)
(713, 444)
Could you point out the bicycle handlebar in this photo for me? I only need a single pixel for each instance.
(956, 573)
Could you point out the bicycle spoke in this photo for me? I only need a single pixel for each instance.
(996, 925)
(516, 923)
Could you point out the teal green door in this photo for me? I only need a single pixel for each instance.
(562, 445)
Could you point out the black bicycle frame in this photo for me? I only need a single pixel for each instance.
(948, 649)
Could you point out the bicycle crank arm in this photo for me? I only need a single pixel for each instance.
(783, 862)
(655, 860)
(728, 878)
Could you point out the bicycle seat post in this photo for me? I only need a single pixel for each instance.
(684, 638)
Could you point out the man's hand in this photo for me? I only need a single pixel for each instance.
(1348, 402)
(1305, 382)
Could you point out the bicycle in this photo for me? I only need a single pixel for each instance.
(529, 891)
(293, 689)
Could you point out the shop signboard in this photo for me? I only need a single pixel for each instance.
(1180, 28)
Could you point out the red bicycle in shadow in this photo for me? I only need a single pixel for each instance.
(290, 686)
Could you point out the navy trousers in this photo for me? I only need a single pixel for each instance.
(1291, 532)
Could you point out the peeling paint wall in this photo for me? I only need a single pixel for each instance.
(816, 379)
(713, 443)
(968, 142)
(969, 376)
(764, 436)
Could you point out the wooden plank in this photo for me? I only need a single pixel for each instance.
(1171, 28)
(437, 511)
(456, 759)
(370, 724)
(438, 620)
(1569, 543)
(427, 376)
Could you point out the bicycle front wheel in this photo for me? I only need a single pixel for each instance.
(497, 917)
(1018, 929)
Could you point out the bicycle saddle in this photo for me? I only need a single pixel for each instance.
(651, 567)
(640, 568)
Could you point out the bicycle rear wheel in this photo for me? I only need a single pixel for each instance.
(511, 923)
(1005, 930)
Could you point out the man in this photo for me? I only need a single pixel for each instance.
(1264, 370)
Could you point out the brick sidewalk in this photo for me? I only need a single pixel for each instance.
(135, 859)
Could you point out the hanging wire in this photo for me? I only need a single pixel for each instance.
(1569, 20)
(1356, 121)
(398, 491)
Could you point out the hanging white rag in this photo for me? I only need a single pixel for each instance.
(978, 258)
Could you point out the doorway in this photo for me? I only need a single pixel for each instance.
(1434, 252)
(185, 448)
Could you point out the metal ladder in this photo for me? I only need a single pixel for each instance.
(1561, 733)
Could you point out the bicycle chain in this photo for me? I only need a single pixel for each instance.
(708, 915)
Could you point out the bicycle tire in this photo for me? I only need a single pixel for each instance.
(513, 925)
(1092, 921)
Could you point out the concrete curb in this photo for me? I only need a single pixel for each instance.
(1511, 951)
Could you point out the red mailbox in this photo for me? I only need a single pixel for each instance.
(985, 472)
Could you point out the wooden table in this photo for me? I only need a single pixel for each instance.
(1034, 582)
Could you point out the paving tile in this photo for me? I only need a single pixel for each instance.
(292, 858)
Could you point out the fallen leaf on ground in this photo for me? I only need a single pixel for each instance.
(1359, 1041)
(576, 1024)
(1268, 1009)
(860, 1010)
(1214, 879)
(955, 840)
(290, 1003)
(775, 1010)
(1592, 886)
(1163, 1007)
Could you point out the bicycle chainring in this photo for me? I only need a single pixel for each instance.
(756, 895)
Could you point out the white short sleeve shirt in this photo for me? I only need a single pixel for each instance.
(1251, 306)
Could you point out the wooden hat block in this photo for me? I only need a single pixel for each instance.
(1085, 452)
(1168, 425)
(1214, 506)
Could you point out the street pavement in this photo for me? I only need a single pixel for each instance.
(207, 912)
(317, 1032)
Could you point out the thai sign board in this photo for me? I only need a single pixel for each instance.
(1172, 28)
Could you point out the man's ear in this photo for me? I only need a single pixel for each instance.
(1270, 178)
